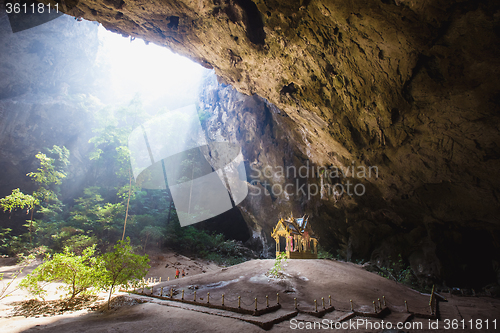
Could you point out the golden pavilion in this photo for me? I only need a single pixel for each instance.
(294, 236)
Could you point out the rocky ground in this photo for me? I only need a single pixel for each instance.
(304, 280)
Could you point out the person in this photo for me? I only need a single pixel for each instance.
(183, 273)
(177, 273)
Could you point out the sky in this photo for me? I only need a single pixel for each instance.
(159, 75)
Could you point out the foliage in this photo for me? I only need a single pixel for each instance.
(204, 116)
(123, 266)
(111, 157)
(80, 273)
(324, 254)
(277, 270)
(223, 259)
(398, 271)
(191, 240)
(51, 171)
(86, 273)
(4, 238)
(151, 232)
(18, 200)
(78, 243)
(92, 215)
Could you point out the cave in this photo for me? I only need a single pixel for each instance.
(409, 88)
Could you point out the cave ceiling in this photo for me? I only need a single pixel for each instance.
(410, 87)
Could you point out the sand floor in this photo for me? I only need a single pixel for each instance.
(306, 280)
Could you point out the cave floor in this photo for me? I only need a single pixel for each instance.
(306, 280)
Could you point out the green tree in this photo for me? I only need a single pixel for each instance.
(4, 238)
(151, 232)
(123, 266)
(84, 213)
(19, 200)
(80, 273)
(50, 173)
(111, 148)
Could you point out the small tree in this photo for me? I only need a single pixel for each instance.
(19, 200)
(80, 273)
(278, 269)
(151, 232)
(123, 265)
(51, 172)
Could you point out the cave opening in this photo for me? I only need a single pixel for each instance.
(163, 81)
(83, 87)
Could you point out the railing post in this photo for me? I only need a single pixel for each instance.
(406, 306)
(383, 297)
(315, 306)
(239, 302)
(208, 298)
(352, 306)
(267, 301)
(182, 297)
(295, 302)
(323, 302)
(379, 304)
(255, 303)
(432, 299)
(374, 307)
(161, 291)
(171, 292)
(195, 295)
(278, 298)
(222, 299)
(329, 300)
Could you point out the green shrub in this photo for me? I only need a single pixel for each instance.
(399, 272)
(80, 273)
(324, 254)
(277, 270)
(78, 243)
(208, 246)
(86, 273)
